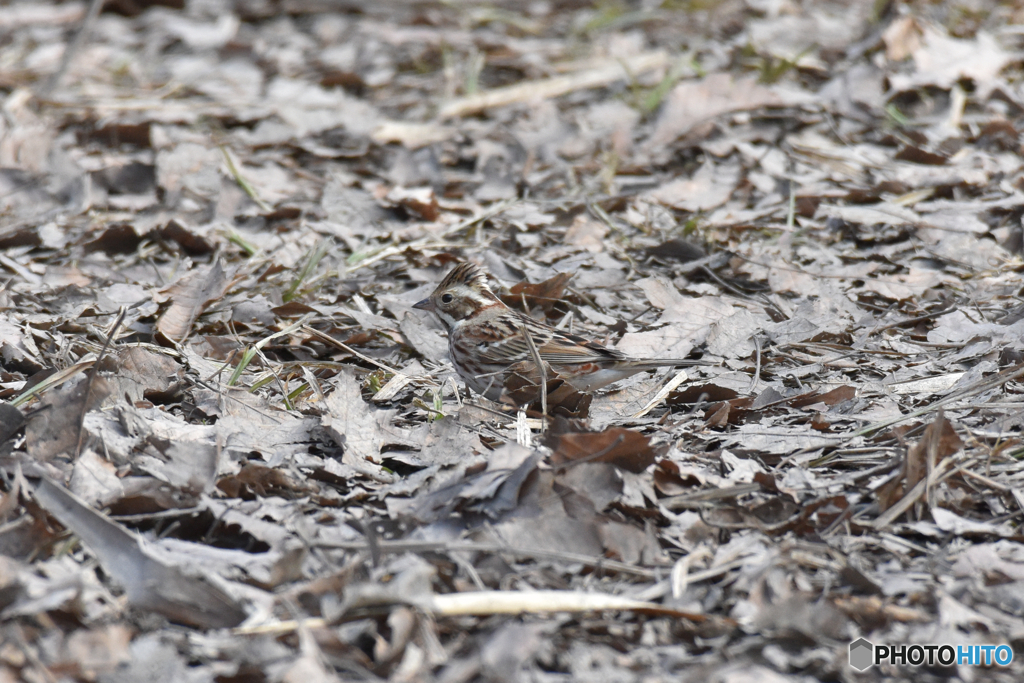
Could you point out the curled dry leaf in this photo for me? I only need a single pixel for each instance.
(192, 242)
(419, 201)
(543, 295)
(190, 296)
(624, 448)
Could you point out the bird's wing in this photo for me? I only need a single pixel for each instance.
(553, 345)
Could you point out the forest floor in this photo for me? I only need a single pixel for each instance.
(232, 451)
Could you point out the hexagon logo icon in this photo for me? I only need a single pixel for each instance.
(862, 654)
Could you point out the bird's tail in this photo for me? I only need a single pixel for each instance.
(667, 363)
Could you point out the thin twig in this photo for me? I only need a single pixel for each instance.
(322, 336)
(246, 186)
(607, 71)
(91, 377)
(791, 209)
(434, 240)
(757, 368)
(986, 481)
(540, 370)
(663, 588)
(913, 321)
(687, 499)
(662, 394)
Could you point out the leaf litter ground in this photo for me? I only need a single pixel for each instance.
(232, 450)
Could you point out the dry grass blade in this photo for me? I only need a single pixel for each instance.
(483, 603)
(246, 186)
(541, 371)
(308, 266)
(56, 379)
(328, 339)
(602, 75)
(489, 603)
(662, 394)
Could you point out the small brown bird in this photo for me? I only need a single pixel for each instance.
(486, 343)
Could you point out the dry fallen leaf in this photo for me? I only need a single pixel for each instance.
(692, 103)
(55, 426)
(189, 296)
(621, 447)
(149, 583)
(351, 422)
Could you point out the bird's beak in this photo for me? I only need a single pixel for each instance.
(425, 305)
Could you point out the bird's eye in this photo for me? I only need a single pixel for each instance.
(446, 298)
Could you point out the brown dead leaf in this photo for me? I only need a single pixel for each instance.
(621, 447)
(918, 155)
(149, 583)
(55, 426)
(902, 38)
(192, 242)
(189, 296)
(694, 102)
(419, 201)
(522, 389)
(940, 440)
(724, 412)
(829, 398)
(701, 392)
(543, 295)
(116, 239)
(587, 233)
(259, 480)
